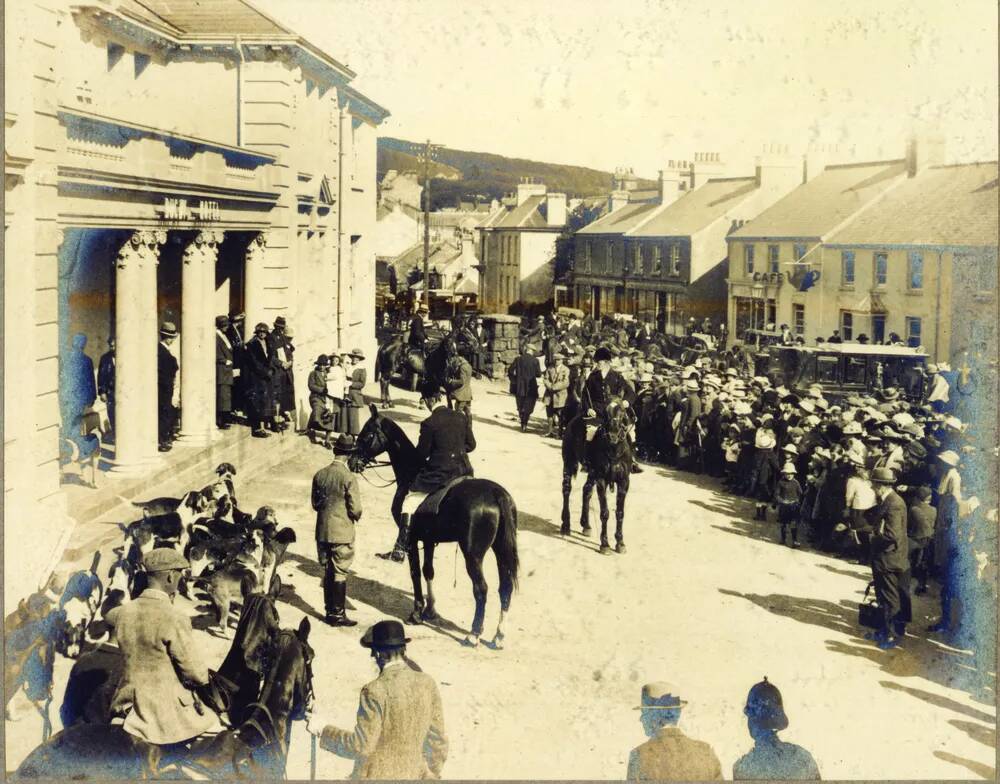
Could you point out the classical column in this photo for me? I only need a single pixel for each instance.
(136, 334)
(197, 339)
(253, 282)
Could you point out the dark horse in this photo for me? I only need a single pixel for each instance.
(386, 363)
(257, 747)
(393, 356)
(95, 676)
(476, 513)
(608, 461)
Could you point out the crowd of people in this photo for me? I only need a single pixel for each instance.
(880, 475)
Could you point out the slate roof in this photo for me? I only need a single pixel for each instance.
(527, 214)
(621, 220)
(820, 205)
(697, 209)
(941, 206)
(205, 17)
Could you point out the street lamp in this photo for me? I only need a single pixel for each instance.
(757, 293)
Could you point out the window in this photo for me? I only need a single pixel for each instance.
(748, 259)
(607, 257)
(915, 270)
(637, 259)
(878, 329)
(913, 331)
(826, 368)
(586, 256)
(846, 325)
(657, 260)
(854, 370)
(881, 263)
(772, 258)
(799, 319)
(847, 268)
(799, 251)
(772, 312)
(675, 259)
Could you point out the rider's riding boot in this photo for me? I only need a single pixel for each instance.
(329, 597)
(339, 615)
(398, 551)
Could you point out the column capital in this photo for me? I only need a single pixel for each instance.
(140, 246)
(209, 237)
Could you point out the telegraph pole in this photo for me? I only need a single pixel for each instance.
(430, 150)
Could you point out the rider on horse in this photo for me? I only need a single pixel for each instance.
(418, 335)
(602, 385)
(159, 656)
(445, 442)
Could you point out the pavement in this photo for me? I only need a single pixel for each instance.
(705, 598)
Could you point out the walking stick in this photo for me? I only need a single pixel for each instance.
(312, 757)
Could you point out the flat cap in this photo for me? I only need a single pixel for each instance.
(164, 559)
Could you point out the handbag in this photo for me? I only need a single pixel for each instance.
(869, 613)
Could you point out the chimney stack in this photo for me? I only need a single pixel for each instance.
(673, 180)
(923, 151)
(617, 200)
(555, 209)
(527, 188)
(778, 171)
(705, 166)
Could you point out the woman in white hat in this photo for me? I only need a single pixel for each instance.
(764, 470)
(859, 502)
(336, 381)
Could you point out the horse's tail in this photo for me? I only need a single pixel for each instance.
(505, 544)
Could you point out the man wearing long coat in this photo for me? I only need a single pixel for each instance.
(523, 374)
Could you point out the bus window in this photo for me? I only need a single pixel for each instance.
(826, 368)
(854, 370)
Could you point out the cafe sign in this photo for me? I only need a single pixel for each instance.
(768, 277)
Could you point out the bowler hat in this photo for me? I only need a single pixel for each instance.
(280, 321)
(602, 354)
(322, 361)
(385, 634)
(764, 706)
(343, 444)
(168, 329)
(883, 476)
(660, 696)
(164, 559)
(238, 317)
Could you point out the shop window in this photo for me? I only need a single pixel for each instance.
(799, 319)
(772, 257)
(881, 265)
(846, 325)
(847, 268)
(915, 270)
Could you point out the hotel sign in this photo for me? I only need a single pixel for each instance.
(180, 210)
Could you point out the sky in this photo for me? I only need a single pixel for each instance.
(636, 82)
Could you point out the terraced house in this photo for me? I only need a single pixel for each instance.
(664, 260)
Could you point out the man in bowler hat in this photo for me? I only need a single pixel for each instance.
(669, 754)
(890, 560)
(336, 498)
(771, 757)
(400, 726)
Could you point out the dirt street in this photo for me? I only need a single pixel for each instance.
(704, 598)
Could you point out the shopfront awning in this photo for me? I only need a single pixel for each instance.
(871, 305)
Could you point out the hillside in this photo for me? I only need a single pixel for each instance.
(488, 176)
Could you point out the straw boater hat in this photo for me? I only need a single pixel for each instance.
(883, 476)
(660, 696)
(948, 457)
(168, 330)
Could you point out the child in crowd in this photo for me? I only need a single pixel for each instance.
(788, 498)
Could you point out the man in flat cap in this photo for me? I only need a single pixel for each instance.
(771, 757)
(162, 664)
(400, 726)
(669, 754)
(890, 559)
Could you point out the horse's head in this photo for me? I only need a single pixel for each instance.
(616, 421)
(371, 442)
(258, 627)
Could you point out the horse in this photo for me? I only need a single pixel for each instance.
(478, 514)
(608, 461)
(258, 745)
(95, 676)
(386, 361)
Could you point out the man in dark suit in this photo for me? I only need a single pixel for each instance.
(669, 754)
(259, 389)
(603, 384)
(523, 373)
(400, 732)
(224, 364)
(166, 375)
(235, 335)
(445, 443)
(106, 380)
(336, 499)
(890, 560)
(283, 382)
(418, 336)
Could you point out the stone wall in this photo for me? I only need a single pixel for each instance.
(502, 334)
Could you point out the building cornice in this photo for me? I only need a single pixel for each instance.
(88, 178)
(906, 246)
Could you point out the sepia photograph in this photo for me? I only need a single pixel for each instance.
(561, 390)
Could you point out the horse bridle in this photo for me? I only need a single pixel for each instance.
(364, 462)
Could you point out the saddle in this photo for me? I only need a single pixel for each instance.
(432, 502)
